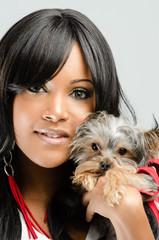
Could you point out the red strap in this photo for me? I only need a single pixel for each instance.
(154, 208)
(24, 209)
(153, 170)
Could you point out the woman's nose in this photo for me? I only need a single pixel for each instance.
(56, 109)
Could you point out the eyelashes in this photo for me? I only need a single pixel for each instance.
(77, 93)
(38, 89)
(80, 93)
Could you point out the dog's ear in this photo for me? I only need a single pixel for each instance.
(151, 139)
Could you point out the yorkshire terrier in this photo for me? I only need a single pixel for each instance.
(110, 146)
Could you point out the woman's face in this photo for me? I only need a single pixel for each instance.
(45, 117)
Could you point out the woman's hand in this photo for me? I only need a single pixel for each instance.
(128, 218)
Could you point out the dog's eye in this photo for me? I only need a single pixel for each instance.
(122, 151)
(95, 146)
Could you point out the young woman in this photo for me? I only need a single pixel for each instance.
(56, 67)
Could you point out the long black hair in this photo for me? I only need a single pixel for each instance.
(32, 52)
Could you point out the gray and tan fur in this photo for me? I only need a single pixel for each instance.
(108, 146)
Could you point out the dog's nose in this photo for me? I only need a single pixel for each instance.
(105, 166)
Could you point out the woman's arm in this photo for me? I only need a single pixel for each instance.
(128, 218)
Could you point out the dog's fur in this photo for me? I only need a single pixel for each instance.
(108, 146)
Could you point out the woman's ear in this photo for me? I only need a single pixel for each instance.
(151, 139)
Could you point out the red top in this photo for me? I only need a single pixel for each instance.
(153, 170)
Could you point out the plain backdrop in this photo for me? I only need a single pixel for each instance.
(131, 28)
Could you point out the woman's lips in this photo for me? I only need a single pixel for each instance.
(52, 137)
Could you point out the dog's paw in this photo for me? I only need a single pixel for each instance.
(113, 194)
(87, 182)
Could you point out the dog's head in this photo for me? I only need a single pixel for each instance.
(104, 141)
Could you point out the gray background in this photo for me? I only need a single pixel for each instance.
(131, 28)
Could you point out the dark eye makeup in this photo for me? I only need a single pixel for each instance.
(77, 93)
(81, 93)
(37, 89)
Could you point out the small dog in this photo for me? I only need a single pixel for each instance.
(110, 146)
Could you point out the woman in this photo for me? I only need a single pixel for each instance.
(55, 67)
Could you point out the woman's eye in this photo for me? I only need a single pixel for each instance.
(80, 94)
(37, 89)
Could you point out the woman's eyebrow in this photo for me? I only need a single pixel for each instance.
(81, 80)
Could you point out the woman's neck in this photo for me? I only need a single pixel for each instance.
(38, 185)
(35, 181)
